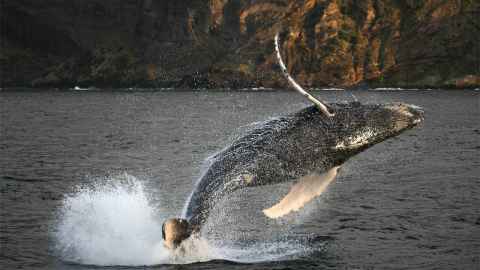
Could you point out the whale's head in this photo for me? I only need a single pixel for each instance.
(358, 126)
(174, 231)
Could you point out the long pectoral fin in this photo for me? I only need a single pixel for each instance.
(306, 189)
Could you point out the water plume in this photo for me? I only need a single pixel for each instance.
(109, 223)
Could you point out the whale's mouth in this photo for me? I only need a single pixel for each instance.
(413, 113)
(418, 114)
(405, 116)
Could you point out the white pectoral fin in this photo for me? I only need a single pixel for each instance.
(305, 190)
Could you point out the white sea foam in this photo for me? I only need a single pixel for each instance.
(261, 88)
(112, 222)
(78, 88)
(327, 89)
(389, 89)
(400, 89)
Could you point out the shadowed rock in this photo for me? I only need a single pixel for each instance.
(227, 43)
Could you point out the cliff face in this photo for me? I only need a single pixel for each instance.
(229, 43)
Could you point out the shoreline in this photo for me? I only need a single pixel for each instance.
(220, 89)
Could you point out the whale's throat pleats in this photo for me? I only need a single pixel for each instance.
(305, 190)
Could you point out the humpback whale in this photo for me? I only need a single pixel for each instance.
(306, 147)
(292, 147)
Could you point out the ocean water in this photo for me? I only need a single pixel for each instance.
(87, 178)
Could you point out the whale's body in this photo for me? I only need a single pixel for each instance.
(294, 146)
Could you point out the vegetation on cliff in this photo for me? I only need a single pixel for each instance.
(229, 43)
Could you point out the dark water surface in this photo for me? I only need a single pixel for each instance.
(87, 177)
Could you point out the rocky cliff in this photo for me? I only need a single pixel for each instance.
(229, 43)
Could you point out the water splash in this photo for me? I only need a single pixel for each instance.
(112, 222)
